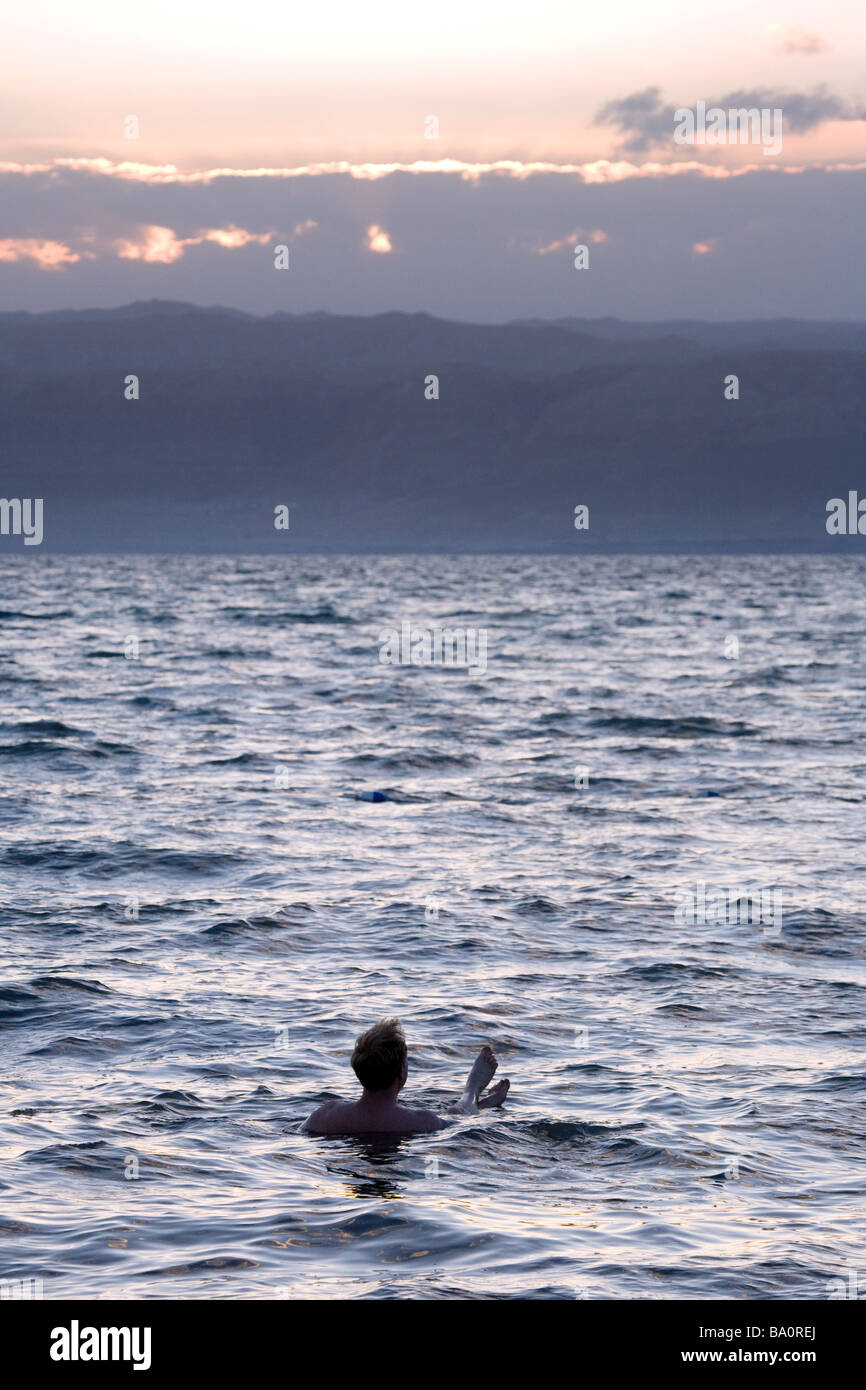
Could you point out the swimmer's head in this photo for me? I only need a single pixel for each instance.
(379, 1058)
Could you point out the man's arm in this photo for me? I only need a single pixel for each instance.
(426, 1121)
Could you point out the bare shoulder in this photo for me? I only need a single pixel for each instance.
(327, 1119)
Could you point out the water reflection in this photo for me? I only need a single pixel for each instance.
(367, 1166)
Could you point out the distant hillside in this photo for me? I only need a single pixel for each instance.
(327, 415)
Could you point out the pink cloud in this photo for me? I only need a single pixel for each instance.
(575, 238)
(802, 43)
(596, 171)
(48, 255)
(159, 244)
(378, 240)
(229, 237)
(163, 246)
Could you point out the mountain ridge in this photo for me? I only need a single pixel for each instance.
(327, 414)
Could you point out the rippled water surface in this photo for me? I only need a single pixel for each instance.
(200, 911)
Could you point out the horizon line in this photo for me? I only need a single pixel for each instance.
(527, 321)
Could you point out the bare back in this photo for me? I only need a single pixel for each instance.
(356, 1118)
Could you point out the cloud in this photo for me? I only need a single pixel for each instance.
(802, 111)
(645, 121)
(378, 240)
(47, 255)
(158, 244)
(230, 237)
(478, 258)
(642, 118)
(163, 246)
(593, 171)
(575, 238)
(802, 43)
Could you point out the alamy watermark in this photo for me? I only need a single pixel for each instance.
(21, 1288)
(455, 647)
(77, 1343)
(700, 905)
(740, 125)
(846, 519)
(846, 1285)
(22, 516)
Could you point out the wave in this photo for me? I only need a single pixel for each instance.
(150, 702)
(325, 613)
(528, 907)
(10, 614)
(75, 1046)
(238, 654)
(694, 726)
(387, 794)
(846, 1083)
(238, 926)
(411, 762)
(69, 982)
(244, 760)
(673, 972)
(120, 860)
(96, 1158)
(767, 675)
(44, 748)
(43, 726)
(686, 1012)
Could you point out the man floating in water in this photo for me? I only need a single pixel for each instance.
(380, 1063)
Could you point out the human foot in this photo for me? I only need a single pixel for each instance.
(481, 1075)
(496, 1096)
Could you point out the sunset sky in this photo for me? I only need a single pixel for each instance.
(305, 125)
